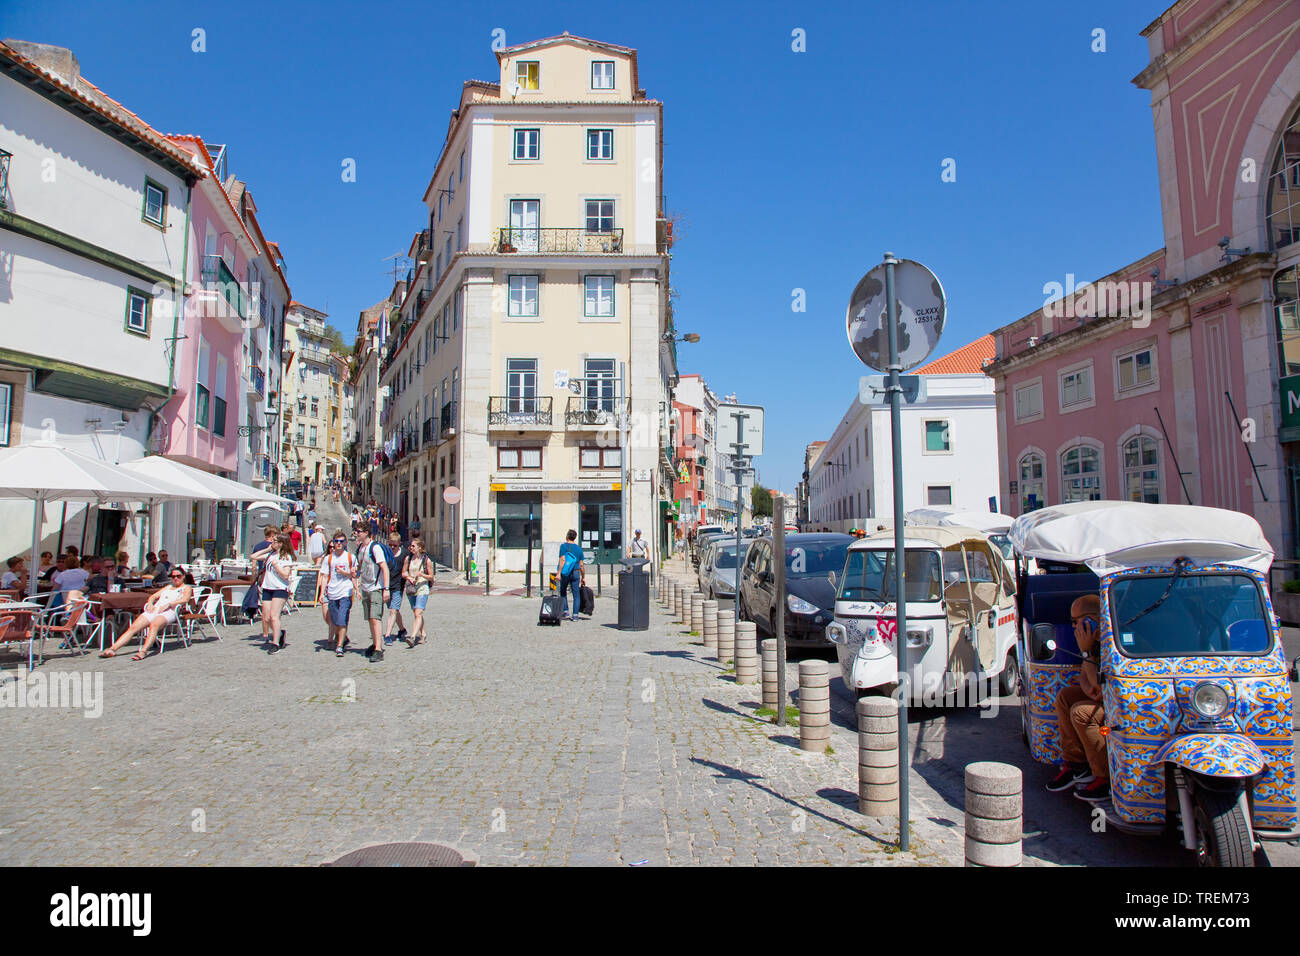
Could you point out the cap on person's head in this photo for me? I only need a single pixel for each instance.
(638, 530)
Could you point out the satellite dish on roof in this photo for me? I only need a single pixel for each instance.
(514, 89)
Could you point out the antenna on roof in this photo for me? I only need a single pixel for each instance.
(399, 259)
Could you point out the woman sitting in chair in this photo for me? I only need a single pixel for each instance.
(159, 612)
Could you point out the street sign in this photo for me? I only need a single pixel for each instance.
(921, 313)
(451, 495)
(745, 421)
(871, 389)
(1289, 390)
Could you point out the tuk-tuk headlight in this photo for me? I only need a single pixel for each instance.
(1209, 700)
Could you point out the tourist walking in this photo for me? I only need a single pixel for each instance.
(339, 586)
(394, 627)
(418, 576)
(373, 584)
(275, 590)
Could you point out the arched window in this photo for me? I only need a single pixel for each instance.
(1080, 474)
(1031, 483)
(1141, 469)
(1283, 211)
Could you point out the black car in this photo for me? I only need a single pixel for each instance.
(809, 594)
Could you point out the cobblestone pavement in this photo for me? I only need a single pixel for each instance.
(513, 743)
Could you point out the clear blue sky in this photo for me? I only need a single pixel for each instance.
(787, 170)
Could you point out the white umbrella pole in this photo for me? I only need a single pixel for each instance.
(38, 520)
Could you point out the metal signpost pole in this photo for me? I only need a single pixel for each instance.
(735, 597)
(900, 575)
(778, 558)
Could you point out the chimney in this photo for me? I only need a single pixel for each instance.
(53, 59)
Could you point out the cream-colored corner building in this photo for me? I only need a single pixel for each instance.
(310, 384)
(536, 317)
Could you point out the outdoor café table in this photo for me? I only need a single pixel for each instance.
(19, 615)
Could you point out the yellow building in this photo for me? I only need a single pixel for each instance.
(310, 382)
(530, 361)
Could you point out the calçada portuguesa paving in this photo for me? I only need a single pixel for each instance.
(512, 743)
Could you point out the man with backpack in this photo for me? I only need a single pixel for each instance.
(374, 584)
(395, 553)
(572, 575)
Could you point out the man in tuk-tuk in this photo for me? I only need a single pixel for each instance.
(1079, 714)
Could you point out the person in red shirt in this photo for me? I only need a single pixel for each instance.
(295, 537)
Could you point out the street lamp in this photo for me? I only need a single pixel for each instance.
(691, 337)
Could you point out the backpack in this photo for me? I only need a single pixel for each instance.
(568, 563)
(369, 566)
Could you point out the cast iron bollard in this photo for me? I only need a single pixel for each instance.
(814, 706)
(746, 654)
(709, 610)
(769, 673)
(878, 757)
(697, 613)
(726, 638)
(994, 807)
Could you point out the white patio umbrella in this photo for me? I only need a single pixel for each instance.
(205, 485)
(44, 471)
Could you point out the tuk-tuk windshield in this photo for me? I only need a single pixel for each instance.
(870, 576)
(1003, 543)
(1199, 614)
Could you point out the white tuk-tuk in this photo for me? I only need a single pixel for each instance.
(996, 526)
(961, 628)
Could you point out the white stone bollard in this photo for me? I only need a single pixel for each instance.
(726, 638)
(814, 706)
(709, 611)
(769, 673)
(679, 594)
(697, 613)
(746, 654)
(994, 810)
(878, 757)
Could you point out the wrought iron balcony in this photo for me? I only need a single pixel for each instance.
(5, 156)
(519, 411)
(256, 381)
(222, 297)
(447, 421)
(591, 410)
(427, 432)
(521, 240)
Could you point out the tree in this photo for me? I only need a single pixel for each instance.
(336, 343)
(760, 499)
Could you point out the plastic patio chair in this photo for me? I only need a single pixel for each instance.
(210, 608)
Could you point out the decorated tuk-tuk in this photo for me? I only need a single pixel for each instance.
(1195, 688)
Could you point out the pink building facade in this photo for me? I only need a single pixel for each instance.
(1165, 381)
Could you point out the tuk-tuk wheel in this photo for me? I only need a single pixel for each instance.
(1222, 836)
(1009, 679)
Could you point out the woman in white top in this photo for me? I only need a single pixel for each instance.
(159, 611)
(275, 589)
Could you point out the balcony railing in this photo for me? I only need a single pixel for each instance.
(218, 275)
(256, 381)
(427, 432)
(519, 411)
(447, 421)
(5, 156)
(591, 410)
(523, 240)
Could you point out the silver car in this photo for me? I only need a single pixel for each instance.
(718, 568)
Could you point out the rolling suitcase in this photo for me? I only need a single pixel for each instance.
(588, 600)
(550, 613)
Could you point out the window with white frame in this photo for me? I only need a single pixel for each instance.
(1136, 369)
(1142, 469)
(600, 215)
(1076, 386)
(528, 74)
(598, 384)
(202, 391)
(1080, 474)
(523, 459)
(138, 309)
(600, 144)
(523, 296)
(6, 412)
(599, 296)
(528, 144)
(602, 74)
(521, 385)
(1031, 482)
(938, 494)
(155, 203)
(1029, 401)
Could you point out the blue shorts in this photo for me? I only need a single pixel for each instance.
(271, 595)
(418, 601)
(339, 609)
(395, 600)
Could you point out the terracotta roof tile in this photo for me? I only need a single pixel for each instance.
(967, 360)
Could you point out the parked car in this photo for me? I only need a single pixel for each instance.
(809, 595)
(718, 567)
(702, 541)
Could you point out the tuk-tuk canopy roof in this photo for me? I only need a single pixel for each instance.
(990, 522)
(920, 536)
(1114, 535)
